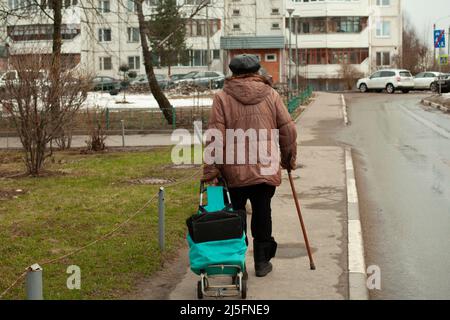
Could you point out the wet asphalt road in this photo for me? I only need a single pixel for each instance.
(402, 159)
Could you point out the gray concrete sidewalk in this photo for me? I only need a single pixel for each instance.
(135, 140)
(320, 183)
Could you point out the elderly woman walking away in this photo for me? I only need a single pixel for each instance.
(248, 102)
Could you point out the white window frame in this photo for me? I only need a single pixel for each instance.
(266, 57)
(380, 26)
(102, 63)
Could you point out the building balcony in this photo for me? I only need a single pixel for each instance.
(337, 8)
(330, 40)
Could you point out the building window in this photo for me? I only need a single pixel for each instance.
(197, 27)
(133, 34)
(275, 26)
(196, 58)
(152, 3)
(104, 6)
(383, 58)
(275, 11)
(134, 63)
(105, 63)
(104, 35)
(329, 25)
(236, 12)
(236, 26)
(131, 6)
(271, 57)
(383, 3)
(333, 56)
(193, 2)
(383, 29)
(216, 54)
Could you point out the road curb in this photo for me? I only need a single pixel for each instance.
(435, 105)
(356, 265)
(344, 110)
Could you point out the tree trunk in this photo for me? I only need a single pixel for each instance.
(163, 102)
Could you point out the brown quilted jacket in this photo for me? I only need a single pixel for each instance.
(251, 103)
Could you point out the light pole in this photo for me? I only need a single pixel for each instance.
(290, 12)
(297, 78)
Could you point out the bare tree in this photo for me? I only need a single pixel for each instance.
(163, 102)
(28, 102)
(415, 52)
(349, 74)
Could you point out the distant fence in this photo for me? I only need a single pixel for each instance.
(297, 101)
(137, 120)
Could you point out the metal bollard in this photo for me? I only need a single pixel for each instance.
(161, 220)
(123, 133)
(34, 289)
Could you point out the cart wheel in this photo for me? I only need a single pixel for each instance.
(244, 289)
(199, 290)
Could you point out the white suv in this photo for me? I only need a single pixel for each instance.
(390, 79)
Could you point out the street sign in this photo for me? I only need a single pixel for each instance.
(443, 59)
(439, 39)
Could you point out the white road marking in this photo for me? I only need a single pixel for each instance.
(438, 129)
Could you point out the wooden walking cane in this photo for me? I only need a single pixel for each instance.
(294, 194)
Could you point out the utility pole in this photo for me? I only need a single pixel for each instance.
(290, 11)
(297, 77)
(434, 50)
(208, 49)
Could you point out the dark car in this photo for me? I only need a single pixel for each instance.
(444, 82)
(109, 84)
(210, 79)
(162, 80)
(178, 76)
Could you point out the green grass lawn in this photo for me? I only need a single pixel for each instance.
(89, 198)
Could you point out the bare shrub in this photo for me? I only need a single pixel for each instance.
(97, 135)
(349, 74)
(28, 101)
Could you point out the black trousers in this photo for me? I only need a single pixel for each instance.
(260, 198)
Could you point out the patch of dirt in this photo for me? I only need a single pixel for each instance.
(152, 181)
(162, 283)
(10, 194)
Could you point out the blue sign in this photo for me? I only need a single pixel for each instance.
(439, 39)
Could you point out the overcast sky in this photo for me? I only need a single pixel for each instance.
(423, 13)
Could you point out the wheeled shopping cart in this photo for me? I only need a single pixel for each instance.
(217, 243)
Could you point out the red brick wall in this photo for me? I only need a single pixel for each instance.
(272, 67)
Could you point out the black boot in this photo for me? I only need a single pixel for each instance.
(262, 253)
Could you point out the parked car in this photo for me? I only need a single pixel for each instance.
(444, 81)
(162, 79)
(104, 83)
(12, 76)
(389, 80)
(426, 80)
(178, 76)
(212, 79)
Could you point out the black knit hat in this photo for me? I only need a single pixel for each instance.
(244, 63)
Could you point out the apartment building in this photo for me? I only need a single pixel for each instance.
(324, 35)
(111, 38)
(28, 31)
(102, 35)
(328, 33)
(256, 27)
